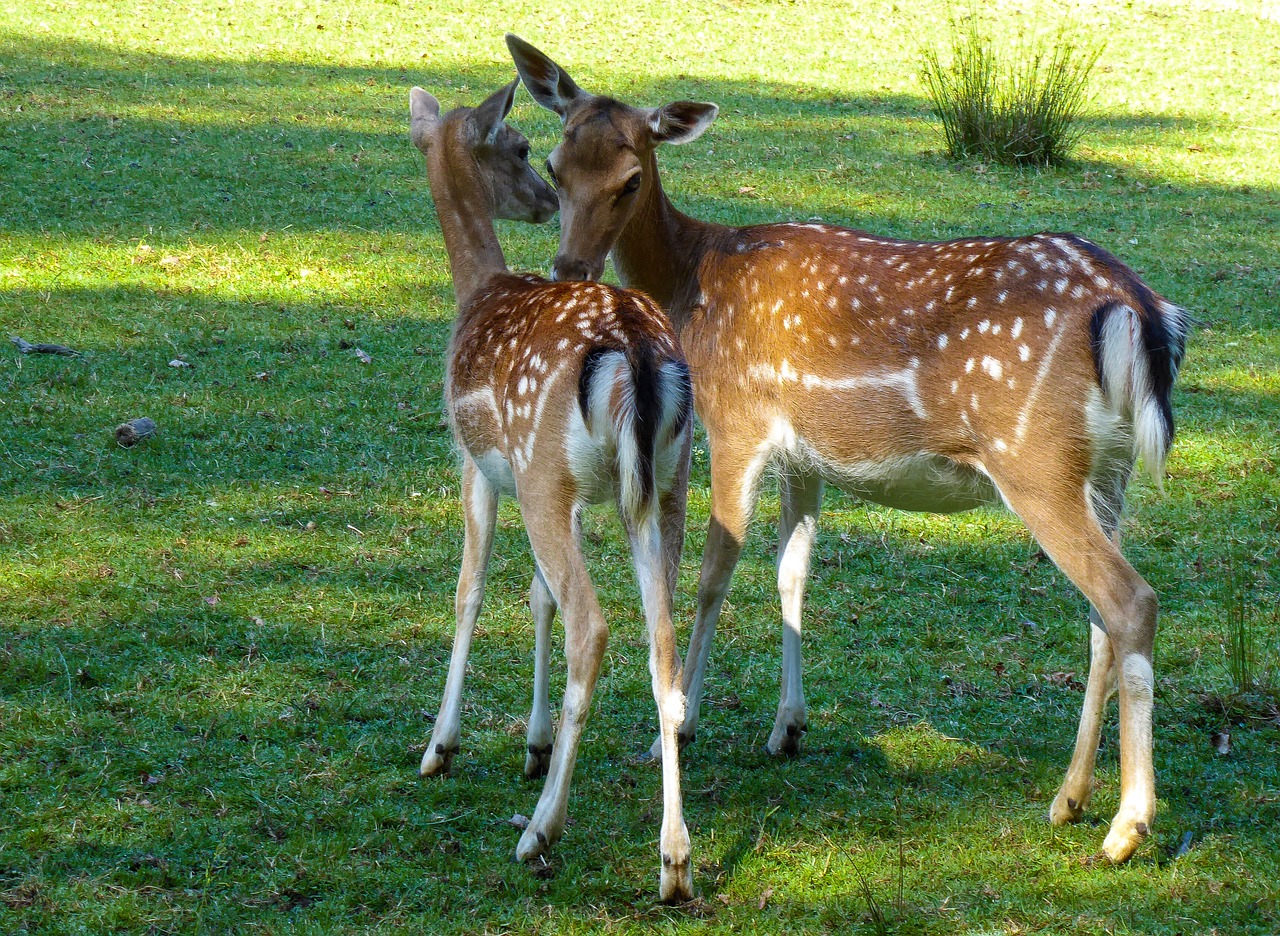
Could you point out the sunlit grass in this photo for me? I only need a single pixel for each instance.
(211, 711)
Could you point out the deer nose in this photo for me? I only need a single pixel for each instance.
(566, 270)
(546, 211)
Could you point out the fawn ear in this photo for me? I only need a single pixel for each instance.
(488, 116)
(681, 122)
(549, 84)
(424, 115)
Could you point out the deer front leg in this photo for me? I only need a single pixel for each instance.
(479, 509)
(734, 478)
(543, 605)
(801, 497)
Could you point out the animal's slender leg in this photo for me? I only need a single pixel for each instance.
(480, 504)
(1061, 518)
(676, 882)
(735, 475)
(1077, 787)
(801, 497)
(543, 605)
(555, 541)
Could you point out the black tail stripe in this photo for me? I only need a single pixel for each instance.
(646, 381)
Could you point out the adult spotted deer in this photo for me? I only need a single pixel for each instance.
(1029, 371)
(563, 395)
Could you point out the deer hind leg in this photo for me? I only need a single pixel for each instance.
(1066, 525)
(543, 606)
(647, 547)
(1077, 788)
(733, 497)
(555, 542)
(479, 509)
(801, 497)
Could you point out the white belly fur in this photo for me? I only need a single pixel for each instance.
(921, 482)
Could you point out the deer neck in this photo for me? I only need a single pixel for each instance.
(466, 219)
(660, 249)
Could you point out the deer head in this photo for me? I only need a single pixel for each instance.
(600, 188)
(498, 154)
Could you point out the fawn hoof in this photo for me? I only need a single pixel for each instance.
(676, 884)
(785, 740)
(1124, 838)
(538, 761)
(438, 760)
(1066, 809)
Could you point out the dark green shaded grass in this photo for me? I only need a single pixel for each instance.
(220, 650)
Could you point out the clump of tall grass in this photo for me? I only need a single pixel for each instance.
(1248, 662)
(1023, 113)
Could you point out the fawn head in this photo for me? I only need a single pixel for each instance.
(499, 154)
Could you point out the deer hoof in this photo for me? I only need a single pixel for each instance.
(786, 741)
(1124, 838)
(537, 762)
(438, 760)
(1066, 809)
(676, 883)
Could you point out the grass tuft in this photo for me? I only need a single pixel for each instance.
(1021, 114)
(1248, 662)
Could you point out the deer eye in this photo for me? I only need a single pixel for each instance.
(631, 185)
(551, 174)
(523, 152)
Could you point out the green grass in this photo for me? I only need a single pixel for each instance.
(1019, 106)
(220, 650)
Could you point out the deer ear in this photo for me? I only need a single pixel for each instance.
(424, 115)
(681, 122)
(488, 116)
(549, 84)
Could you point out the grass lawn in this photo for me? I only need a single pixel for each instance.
(220, 650)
